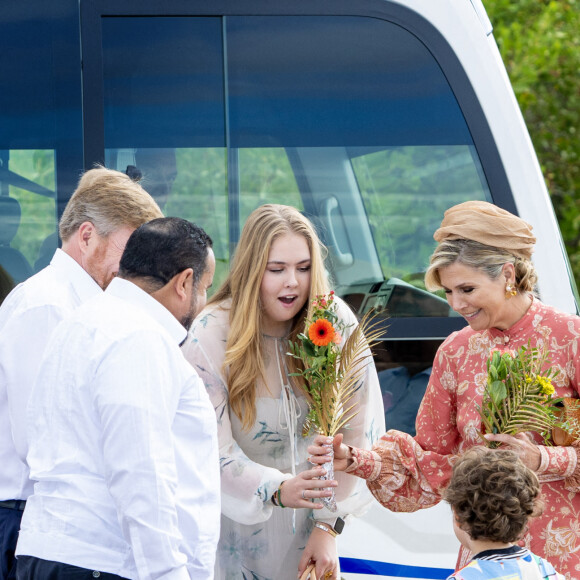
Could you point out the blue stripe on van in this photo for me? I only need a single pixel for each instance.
(356, 566)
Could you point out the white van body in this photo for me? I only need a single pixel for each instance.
(371, 116)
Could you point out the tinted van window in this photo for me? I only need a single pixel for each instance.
(349, 119)
(40, 131)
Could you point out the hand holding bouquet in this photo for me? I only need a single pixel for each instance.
(518, 395)
(332, 369)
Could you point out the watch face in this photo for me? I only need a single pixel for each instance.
(338, 525)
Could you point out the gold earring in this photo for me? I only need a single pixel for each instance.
(510, 291)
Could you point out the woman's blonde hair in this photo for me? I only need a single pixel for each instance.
(485, 258)
(243, 363)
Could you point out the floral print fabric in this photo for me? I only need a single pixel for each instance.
(406, 473)
(259, 541)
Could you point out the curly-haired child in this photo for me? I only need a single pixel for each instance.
(492, 495)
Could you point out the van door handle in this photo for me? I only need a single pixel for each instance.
(342, 258)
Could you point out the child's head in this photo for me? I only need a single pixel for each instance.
(493, 494)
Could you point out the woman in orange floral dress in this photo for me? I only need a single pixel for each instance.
(483, 264)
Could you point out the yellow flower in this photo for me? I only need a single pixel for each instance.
(546, 386)
(516, 383)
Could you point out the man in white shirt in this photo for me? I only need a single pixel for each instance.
(122, 434)
(104, 210)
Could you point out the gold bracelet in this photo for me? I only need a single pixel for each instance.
(326, 527)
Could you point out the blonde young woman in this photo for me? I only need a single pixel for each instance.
(273, 524)
(483, 263)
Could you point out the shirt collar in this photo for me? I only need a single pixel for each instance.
(130, 292)
(522, 326)
(490, 554)
(69, 269)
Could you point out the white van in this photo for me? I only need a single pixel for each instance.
(370, 116)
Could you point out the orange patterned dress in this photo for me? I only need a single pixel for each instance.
(407, 473)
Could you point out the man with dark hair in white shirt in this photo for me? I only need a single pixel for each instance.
(122, 434)
(104, 210)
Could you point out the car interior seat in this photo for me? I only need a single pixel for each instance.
(11, 259)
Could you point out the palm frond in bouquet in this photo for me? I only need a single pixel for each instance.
(518, 395)
(330, 374)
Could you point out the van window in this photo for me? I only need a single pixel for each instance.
(266, 176)
(349, 119)
(406, 190)
(30, 237)
(41, 131)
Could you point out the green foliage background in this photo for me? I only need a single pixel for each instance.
(539, 43)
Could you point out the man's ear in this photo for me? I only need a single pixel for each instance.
(182, 283)
(85, 233)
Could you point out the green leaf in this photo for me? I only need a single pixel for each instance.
(502, 370)
(309, 348)
(497, 391)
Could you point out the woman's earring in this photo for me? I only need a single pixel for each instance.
(510, 291)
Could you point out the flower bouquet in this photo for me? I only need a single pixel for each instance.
(330, 373)
(518, 395)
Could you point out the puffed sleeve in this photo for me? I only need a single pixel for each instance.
(564, 460)
(363, 430)
(246, 486)
(407, 473)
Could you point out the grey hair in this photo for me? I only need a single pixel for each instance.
(109, 200)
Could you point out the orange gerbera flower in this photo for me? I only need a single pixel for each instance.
(321, 332)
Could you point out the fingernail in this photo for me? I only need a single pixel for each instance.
(329, 441)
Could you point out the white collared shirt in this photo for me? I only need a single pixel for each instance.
(28, 316)
(123, 446)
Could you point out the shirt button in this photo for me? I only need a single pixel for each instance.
(506, 339)
(96, 574)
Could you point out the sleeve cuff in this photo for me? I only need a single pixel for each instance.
(557, 461)
(366, 463)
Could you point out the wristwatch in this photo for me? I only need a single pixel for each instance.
(333, 530)
(338, 525)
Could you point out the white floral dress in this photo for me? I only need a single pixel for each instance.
(258, 540)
